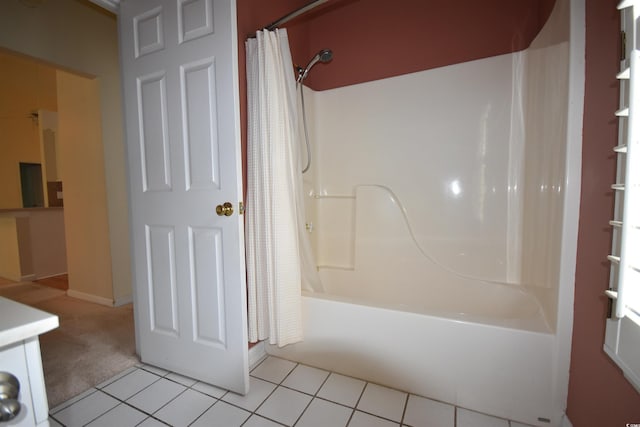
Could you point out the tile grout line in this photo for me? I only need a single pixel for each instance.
(303, 411)
(255, 411)
(314, 396)
(170, 400)
(281, 384)
(73, 401)
(155, 419)
(379, 416)
(109, 381)
(216, 399)
(455, 416)
(220, 399)
(205, 411)
(56, 420)
(149, 415)
(275, 389)
(376, 415)
(164, 373)
(124, 402)
(404, 410)
(147, 368)
(509, 421)
(165, 376)
(98, 416)
(134, 394)
(353, 412)
(262, 416)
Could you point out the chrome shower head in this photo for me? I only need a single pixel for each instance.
(325, 55)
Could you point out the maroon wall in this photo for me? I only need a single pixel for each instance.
(375, 39)
(599, 395)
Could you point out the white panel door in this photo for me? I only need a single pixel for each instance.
(180, 80)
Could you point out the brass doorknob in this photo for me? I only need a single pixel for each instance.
(225, 209)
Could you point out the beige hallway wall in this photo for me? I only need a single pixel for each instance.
(85, 209)
(25, 86)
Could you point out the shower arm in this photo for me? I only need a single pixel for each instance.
(295, 13)
(290, 16)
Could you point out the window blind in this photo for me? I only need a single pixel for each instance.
(622, 339)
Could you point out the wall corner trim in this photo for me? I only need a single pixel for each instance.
(90, 297)
(123, 300)
(257, 354)
(110, 5)
(566, 422)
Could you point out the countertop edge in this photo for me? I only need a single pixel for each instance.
(35, 322)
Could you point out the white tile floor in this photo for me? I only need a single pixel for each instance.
(283, 393)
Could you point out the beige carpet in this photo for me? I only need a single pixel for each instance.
(92, 344)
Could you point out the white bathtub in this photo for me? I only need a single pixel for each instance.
(498, 370)
(425, 190)
(410, 273)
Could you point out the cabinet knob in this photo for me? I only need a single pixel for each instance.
(9, 390)
(9, 409)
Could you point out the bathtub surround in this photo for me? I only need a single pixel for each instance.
(454, 197)
(595, 381)
(545, 179)
(437, 211)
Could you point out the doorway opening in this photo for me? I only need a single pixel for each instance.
(31, 184)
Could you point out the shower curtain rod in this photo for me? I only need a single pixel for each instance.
(290, 16)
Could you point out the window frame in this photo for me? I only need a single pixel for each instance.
(622, 334)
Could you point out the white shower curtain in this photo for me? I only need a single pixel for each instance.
(279, 259)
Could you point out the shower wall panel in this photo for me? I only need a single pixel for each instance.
(436, 144)
(545, 107)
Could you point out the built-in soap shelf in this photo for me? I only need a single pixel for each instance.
(624, 74)
(625, 4)
(623, 112)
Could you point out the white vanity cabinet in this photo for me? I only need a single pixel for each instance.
(20, 326)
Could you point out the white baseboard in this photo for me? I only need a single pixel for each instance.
(48, 275)
(566, 422)
(27, 278)
(126, 299)
(257, 354)
(90, 297)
